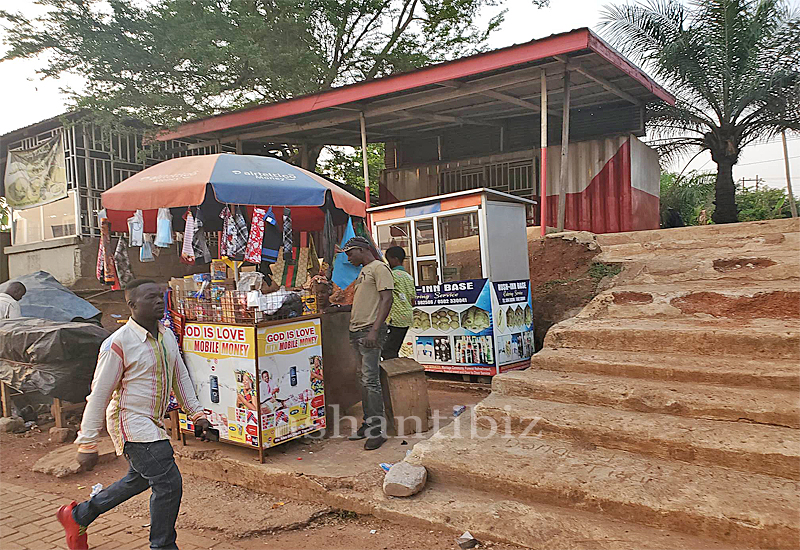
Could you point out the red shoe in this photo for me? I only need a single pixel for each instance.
(76, 534)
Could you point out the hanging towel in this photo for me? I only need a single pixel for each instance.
(296, 274)
(187, 252)
(164, 228)
(328, 238)
(228, 232)
(239, 245)
(273, 239)
(202, 255)
(256, 237)
(109, 270)
(287, 235)
(146, 252)
(100, 262)
(122, 263)
(136, 228)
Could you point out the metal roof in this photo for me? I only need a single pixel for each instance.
(477, 90)
(494, 194)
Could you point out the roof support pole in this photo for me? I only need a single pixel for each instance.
(363, 121)
(562, 177)
(543, 164)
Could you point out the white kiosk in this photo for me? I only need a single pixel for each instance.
(468, 254)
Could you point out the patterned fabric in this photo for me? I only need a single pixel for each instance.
(239, 244)
(109, 269)
(401, 314)
(122, 263)
(273, 239)
(254, 241)
(202, 255)
(135, 373)
(228, 232)
(287, 235)
(297, 274)
(101, 255)
(187, 251)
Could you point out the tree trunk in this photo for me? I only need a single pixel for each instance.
(725, 194)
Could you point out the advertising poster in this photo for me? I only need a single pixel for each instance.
(513, 315)
(36, 176)
(452, 328)
(290, 380)
(221, 362)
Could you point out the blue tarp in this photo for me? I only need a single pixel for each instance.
(46, 298)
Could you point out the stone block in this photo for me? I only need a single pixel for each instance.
(404, 479)
(62, 462)
(12, 424)
(62, 435)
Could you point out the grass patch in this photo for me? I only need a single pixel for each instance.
(599, 270)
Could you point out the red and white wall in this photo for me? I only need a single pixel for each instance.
(612, 185)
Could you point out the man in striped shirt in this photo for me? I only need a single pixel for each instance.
(137, 367)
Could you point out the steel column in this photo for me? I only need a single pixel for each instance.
(363, 121)
(543, 145)
(562, 180)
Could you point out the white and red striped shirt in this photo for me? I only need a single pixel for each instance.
(132, 381)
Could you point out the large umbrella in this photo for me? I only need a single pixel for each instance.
(233, 179)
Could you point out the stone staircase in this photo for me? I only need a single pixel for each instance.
(665, 415)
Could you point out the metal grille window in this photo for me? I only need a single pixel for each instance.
(517, 177)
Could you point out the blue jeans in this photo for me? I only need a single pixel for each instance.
(371, 391)
(151, 465)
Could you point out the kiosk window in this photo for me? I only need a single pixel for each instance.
(460, 247)
(426, 244)
(396, 234)
(427, 272)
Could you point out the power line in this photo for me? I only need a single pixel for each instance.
(763, 161)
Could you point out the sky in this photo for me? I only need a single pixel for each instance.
(28, 98)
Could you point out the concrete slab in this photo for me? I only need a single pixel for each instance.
(62, 461)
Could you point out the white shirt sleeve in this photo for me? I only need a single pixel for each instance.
(184, 390)
(107, 377)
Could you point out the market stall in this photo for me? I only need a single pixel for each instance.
(248, 322)
(467, 252)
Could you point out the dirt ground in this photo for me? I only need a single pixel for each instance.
(234, 516)
(562, 280)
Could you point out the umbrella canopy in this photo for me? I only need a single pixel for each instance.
(234, 179)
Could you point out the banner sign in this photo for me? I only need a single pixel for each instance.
(513, 324)
(36, 176)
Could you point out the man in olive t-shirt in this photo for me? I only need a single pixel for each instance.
(371, 305)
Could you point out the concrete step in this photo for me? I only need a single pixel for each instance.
(761, 406)
(490, 517)
(767, 229)
(760, 449)
(761, 339)
(732, 506)
(674, 367)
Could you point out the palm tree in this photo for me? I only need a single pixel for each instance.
(733, 65)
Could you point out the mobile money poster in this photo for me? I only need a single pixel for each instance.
(221, 363)
(290, 380)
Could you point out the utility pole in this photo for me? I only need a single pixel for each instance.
(792, 205)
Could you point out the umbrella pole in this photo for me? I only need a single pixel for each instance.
(366, 166)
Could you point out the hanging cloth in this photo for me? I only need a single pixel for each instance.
(287, 235)
(239, 245)
(228, 232)
(256, 237)
(202, 255)
(109, 270)
(136, 228)
(146, 252)
(273, 239)
(164, 228)
(100, 263)
(296, 274)
(122, 262)
(329, 238)
(187, 252)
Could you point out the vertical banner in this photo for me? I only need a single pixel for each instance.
(513, 315)
(290, 380)
(36, 176)
(221, 360)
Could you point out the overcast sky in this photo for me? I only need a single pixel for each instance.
(27, 99)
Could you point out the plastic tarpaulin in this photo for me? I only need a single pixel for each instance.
(46, 298)
(54, 358)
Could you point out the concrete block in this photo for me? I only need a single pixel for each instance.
(405, 396)
(404, 479)
(62, 462)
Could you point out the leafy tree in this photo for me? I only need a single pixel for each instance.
(344, 164)
(5, 215)
(168, 61)
(734, 66)
(763, 204)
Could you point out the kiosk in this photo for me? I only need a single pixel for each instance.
(468, 254)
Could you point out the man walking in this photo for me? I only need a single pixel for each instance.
(371, 304)
(136, 368)
(9, 300)
(402, 314)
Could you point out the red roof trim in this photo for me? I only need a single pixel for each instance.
(558, 44)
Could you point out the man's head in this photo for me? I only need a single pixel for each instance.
(358, 251)
(146, 300)
(16, 290)
(395, 256)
